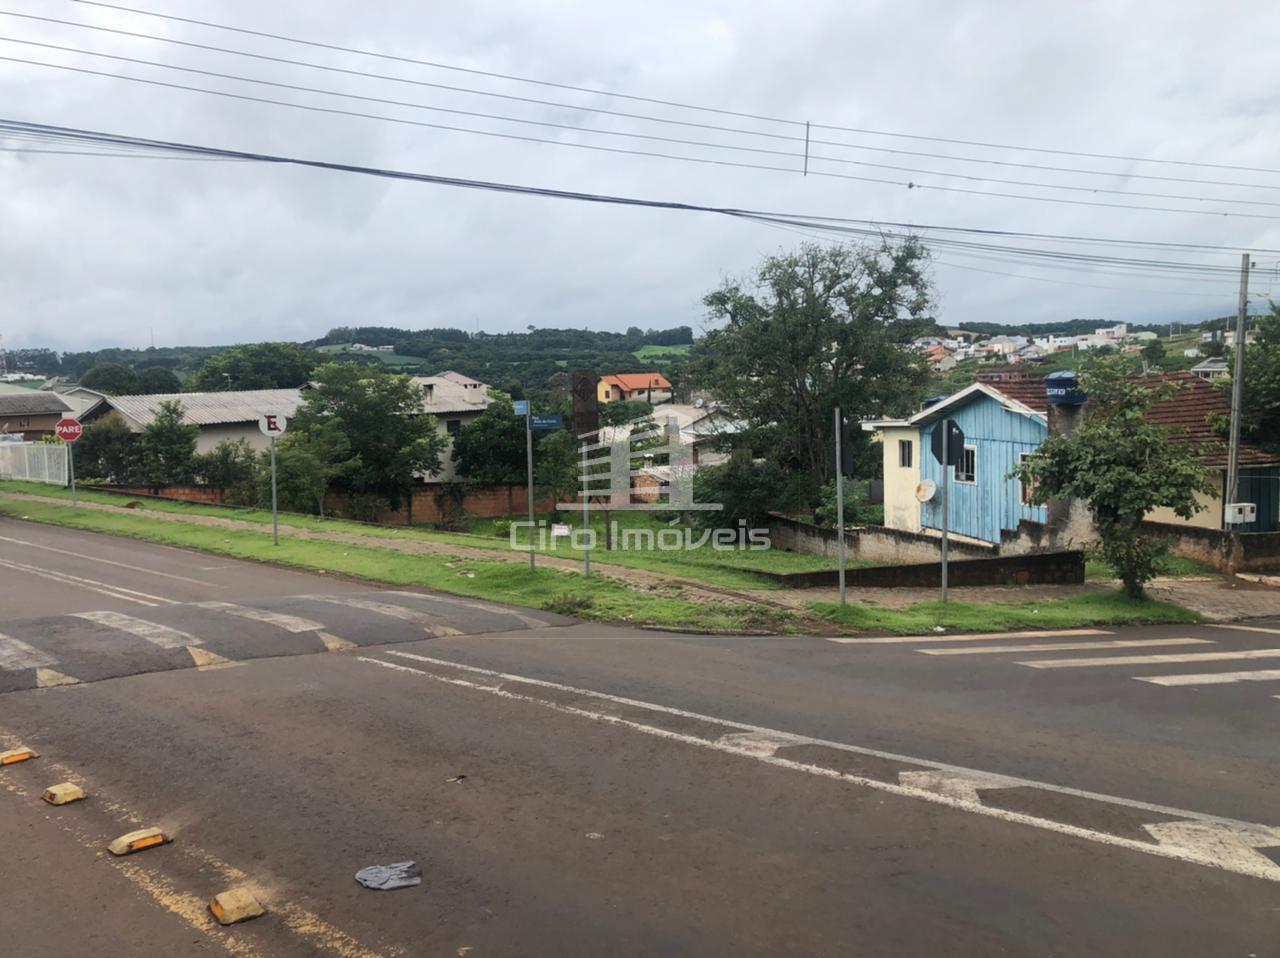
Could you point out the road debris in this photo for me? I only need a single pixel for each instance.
(455, 779)
(388, 877)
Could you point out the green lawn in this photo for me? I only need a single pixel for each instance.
(1096, 568)
(647, 353)
(596, 598)
(1108, 608)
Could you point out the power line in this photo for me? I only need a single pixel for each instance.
(671, 103)
(785, 137)
(593, 131)
(848, 226)
(908, 184)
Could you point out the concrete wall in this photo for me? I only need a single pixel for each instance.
(1046, 568)
(901, 508)
(872, 543)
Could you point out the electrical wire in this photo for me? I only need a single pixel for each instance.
(908, 184)
(785, 137)
(595, 131)
(671, 103)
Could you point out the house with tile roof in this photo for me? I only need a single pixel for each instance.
(1005, 421)
(649, 387)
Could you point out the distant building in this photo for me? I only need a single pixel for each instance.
(1213, 368)
(229, 415)
(650, 387)
(466, 382)
(31, 413)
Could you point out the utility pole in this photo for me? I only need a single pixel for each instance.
(839, 435)
(528, 451)
(945, 426)
(1237, 385)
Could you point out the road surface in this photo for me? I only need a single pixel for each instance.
(622, 792)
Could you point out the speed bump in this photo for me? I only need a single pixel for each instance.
(235, 905)
(63, 794)
(15, 755)
(137, 841)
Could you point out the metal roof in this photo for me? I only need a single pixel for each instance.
(31, 403)
(211, 409)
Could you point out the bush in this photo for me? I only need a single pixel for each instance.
(568, 604)
(748, 491)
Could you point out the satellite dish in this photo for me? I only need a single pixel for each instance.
(925, 490)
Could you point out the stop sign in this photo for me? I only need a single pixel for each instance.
(68, 430)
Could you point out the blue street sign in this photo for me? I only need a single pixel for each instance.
(547, 422)
(522, 407)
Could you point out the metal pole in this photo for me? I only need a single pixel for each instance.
(839, 433)
(1237, 385)
(586, 516)
(946, 484)
(71, 470)
(275, 521)
(528, 449)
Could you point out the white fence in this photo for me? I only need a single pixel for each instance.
(34, 461)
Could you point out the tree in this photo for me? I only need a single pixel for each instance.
(557, 463)
(822, 327)
(491, 450)
(107, 450)
(1122, 465)
(113, 379)
(168, 445)
(257, 366)
(231, 467)
(157, 379)
(307, 465)
(747, 490)
(388, 438)
(1260, 414)
(618, 413)
(1153, 352)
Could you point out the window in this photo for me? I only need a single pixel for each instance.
(967, 467)
(904, 453)
(452, 426)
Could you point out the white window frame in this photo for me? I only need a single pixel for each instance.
(973, 476)
(910, 448)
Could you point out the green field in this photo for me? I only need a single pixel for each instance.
(648, 353)
(344, 350)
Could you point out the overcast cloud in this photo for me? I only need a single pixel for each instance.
(97, 252)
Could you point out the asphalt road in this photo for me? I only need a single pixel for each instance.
(625, 793)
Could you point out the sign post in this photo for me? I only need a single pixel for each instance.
(947, 445)
(69, 430)
(839, 437)
(273, 426)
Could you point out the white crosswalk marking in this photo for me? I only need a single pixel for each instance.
(153, 632)
(290, 623)
(421, 619)
(1248, 628)
(1152, 659)
(16, 654)
(1064, 646)
(1213, 678)
(975, 637)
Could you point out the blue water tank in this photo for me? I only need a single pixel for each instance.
(931, 401)
(1063, 389)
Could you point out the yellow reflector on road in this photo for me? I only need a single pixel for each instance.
(137, 841)
(63, 794)
(235, 905)
(15, 755)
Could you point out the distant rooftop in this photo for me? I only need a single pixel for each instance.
(211, 409)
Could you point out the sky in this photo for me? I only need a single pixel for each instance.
(110, 251)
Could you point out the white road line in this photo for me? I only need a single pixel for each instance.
(979, 636)
(1246, 628)
(531, 621)
(290, 623)
(153, 632)
(1207, 840)
(103, 588)
(1213, 678)
(101, 561)
(423, 620)
(1153, 659)
(16, 654)
(1064, 646)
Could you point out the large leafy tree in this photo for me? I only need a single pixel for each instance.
(257, 366)
(158, 379)
(818, 328)
(557, 464)
(168, 446)
(1123, 466)
(113, 379)
(389, 440)
(108, 450)
(491, 449)
(1260, 414)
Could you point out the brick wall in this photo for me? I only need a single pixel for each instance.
(432, 502)
(200, 494)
